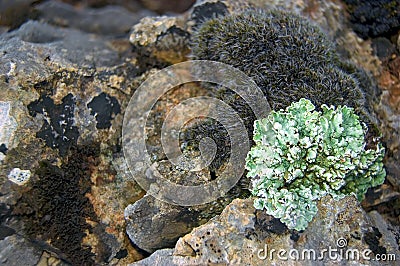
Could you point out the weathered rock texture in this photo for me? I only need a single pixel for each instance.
(243, 236)
(62, 92)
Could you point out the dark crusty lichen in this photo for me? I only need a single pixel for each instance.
(57, 130)
(55, 208)
(104, 107)
(285, 54)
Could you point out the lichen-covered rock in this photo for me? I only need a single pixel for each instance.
(63, 91)
(240, 235)
(374, 18)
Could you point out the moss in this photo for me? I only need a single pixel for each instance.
(55, 208)
(287, 56)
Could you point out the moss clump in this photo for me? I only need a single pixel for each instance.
(302, 155)
(287, 56)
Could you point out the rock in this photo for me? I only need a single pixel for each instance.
(390, 233)
(36, 50)
(14, 12)
(383, 48)
(164, 222)
(108, 20)
(15, 251)
(242, 235)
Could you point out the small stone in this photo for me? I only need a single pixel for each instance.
(19, 177)
(149, 28)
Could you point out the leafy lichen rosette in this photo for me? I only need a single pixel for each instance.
(301, 155)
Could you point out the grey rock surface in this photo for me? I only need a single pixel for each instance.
(108, 20)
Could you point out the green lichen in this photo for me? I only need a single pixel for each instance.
(302, 155)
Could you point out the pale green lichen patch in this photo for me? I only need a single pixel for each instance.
(302, 155)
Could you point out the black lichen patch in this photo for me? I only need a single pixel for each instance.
(57, 130)
(104, 107)
(3, 149)
(207, 11)
(374, 18)
(372, 239)
(56, 210)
